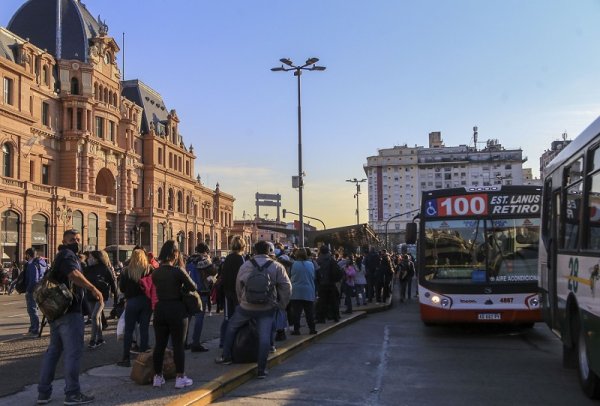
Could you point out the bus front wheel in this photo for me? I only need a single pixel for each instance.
(589, 380)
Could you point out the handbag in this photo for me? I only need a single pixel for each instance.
(192, 302)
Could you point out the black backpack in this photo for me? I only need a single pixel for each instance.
(21, 284)
(258, 287)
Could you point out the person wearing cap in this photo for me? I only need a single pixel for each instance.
(200, 267)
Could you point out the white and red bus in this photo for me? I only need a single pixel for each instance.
(478, 255)
(569, 272)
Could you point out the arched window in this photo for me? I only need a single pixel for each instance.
(46, 75)
(180, 202)
(39, 233)
(171, 200)
(92, 232)
(7, 160)
(105, 99)
(160, 198)
(145, 234)
(74, 86)
(78, 221)
(9, 234)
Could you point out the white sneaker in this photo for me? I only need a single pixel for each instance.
(182, 382)
(158, 381)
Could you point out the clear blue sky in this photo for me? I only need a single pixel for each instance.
(523, 71)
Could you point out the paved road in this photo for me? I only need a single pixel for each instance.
(20, 358)
(390, 358)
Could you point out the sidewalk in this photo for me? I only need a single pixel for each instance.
(111, 385)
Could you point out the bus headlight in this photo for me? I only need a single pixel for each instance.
(441, 301)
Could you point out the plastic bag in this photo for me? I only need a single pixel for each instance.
(121, 326)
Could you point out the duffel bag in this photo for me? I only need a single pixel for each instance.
(142, 371)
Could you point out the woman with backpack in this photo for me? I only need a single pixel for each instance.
(138, 305)
(170, 315)
(99, 274)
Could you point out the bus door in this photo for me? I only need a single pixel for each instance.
(554, 227)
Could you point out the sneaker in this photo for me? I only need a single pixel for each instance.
(261, 374)
(182, 382)
(30, 334)
(43, 399)
(198, 348)
(313, 332)
(273, 349)
(158, 381)
(92, 345)
(124, 363)
(100, 342)
(79, 399)
(223, 361)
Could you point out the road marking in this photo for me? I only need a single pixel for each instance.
(381, 368)
(16, 315)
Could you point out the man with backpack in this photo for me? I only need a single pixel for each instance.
(262, 286)
(35, 267)
(66, 331)
(200, 267)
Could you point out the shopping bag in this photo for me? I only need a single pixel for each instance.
(121, 326)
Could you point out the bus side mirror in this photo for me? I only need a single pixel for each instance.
(411, 233)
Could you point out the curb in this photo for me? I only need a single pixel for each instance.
(240, 374)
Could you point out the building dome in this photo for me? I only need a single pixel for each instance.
(62, 27)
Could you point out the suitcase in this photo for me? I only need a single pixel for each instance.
(142, 371)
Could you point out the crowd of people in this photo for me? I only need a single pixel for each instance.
(273, 287)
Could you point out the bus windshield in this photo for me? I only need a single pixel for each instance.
(481, 251)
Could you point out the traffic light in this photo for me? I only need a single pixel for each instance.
(283, 213)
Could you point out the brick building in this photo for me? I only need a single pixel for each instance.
(81, 148)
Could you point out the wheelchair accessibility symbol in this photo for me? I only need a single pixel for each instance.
(431, 209)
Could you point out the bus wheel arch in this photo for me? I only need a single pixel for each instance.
(590, 382)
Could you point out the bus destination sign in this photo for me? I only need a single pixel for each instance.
(482, 205)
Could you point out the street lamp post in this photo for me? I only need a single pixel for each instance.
(357, 183)
(309, 65)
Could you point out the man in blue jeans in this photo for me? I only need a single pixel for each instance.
(66, 332)
(34, 272)
(252, 306)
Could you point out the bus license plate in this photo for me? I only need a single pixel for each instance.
(489, 316)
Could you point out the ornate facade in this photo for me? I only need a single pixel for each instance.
(83, 149)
